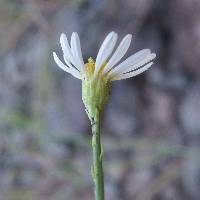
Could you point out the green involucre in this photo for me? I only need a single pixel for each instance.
(95, 93)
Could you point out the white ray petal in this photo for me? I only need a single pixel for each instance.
(72, 45)
(67, 51)
(76, 50)
(65, 68)
(119, 53)
(133, 73)
(105, 50)
(141, 63)
(135, 66)
(130, 61)
(71, 66)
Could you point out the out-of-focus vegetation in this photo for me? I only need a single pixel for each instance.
(151, 130)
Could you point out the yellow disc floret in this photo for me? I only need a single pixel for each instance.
(90, 66)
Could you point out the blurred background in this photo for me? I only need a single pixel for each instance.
(151, 128)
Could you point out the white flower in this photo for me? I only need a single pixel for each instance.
(107, 64)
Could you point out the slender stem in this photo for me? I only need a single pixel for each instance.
(97, 166)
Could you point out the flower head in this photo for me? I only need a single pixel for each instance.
(103, 65)
(97, 75)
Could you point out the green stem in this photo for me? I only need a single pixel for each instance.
(97, 167)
